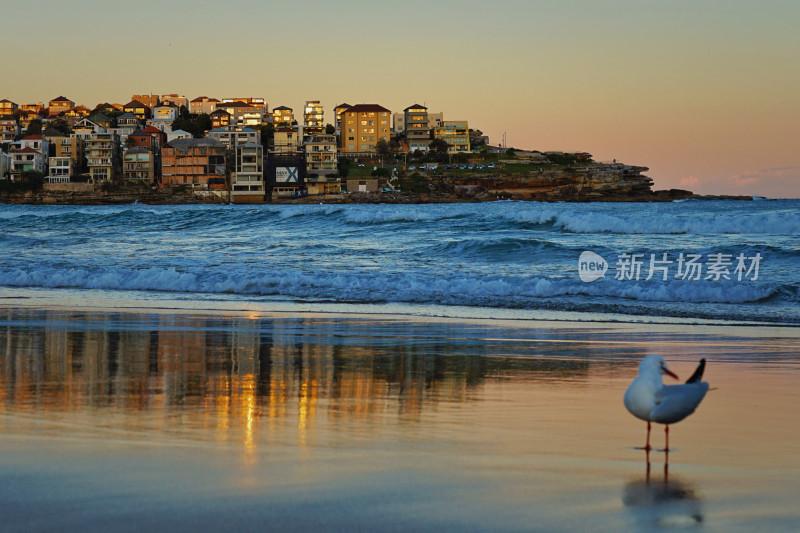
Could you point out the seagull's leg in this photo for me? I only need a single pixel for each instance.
(666, 436)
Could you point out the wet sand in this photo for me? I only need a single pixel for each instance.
(123, 421)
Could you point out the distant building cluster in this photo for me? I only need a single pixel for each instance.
(236, 145)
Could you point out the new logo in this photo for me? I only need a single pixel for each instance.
(591, 266)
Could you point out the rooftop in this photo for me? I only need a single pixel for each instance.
(367, 108)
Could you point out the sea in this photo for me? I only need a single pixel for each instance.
(692, 261)
(440, 367)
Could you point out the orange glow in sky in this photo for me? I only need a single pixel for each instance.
(703, 93)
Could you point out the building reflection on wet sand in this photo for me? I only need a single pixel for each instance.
(222, 378)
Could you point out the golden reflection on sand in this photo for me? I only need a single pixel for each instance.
(259, 383)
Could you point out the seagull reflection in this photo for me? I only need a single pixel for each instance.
(666, 504)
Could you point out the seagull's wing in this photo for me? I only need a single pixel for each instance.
(676, 402)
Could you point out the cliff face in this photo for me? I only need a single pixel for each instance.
(595, 182)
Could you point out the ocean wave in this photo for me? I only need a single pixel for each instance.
(453, 289)
(664, 223)
(499, 249)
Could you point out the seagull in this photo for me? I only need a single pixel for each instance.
(649, 399)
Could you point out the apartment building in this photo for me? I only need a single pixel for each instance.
(150, 100)
(455, 133)
(338, 110)
(282, 116)
(59, 105)
(102, 156)
(220, 119)
(242, 114)
(139, 164)
(313, 116)
(417, 129)
(247, 179)
(285, 140)
(321, 155)
(259, 104)
(9, 129)
(7, 107)
(60, 169)
(232, 136)
(196, 162)
(174, 99)
(363, 125)
(30, 154)
(203, 104)
(141, 110)
(65, 145)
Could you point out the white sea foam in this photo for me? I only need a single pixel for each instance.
(377, 286)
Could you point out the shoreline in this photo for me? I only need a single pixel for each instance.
(56, 197)
(549, 320)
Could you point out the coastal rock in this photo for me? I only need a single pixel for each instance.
(594, 182)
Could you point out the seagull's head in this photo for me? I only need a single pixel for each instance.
(655, 363)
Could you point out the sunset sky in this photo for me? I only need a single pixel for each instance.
(706, 94)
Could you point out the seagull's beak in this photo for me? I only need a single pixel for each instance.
(668, 372)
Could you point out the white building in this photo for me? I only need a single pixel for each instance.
(30, 154)
(247, 179)
(60, 169)
(321, 155)
(233, 136)
(178, 134)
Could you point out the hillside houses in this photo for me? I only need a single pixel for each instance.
(235, 145)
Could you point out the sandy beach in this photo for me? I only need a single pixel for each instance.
(121, 420)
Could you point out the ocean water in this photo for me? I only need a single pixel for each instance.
(697, 261)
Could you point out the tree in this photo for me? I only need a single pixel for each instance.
(62, 126)
(344, 167)
(33, 179)
(330, 129)
(438, 149)
(267, 135)
(34, 128)
(394, 146)
(197, 125)
(382, 148)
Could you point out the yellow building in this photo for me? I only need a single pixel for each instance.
(455, 133)
(363, 125)
(282, 115)
(141, 110)
(285, 141)
(313, 118)
(60, 105)
(7, 107)
(65, 145)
